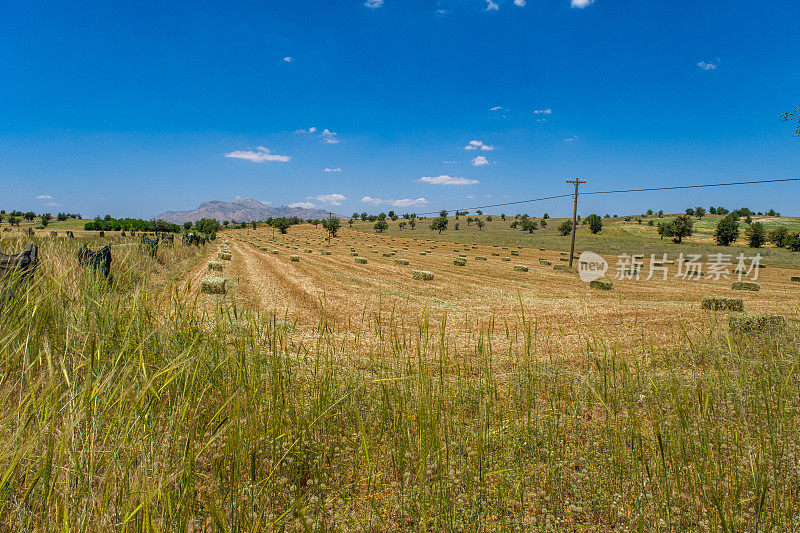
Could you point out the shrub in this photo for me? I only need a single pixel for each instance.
(565, 228)
(779, 236)
(677, 229)
(756, 235)
(727, 230)
(719, 303)
(595, 223)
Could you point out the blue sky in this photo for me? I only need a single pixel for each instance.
(140, 107)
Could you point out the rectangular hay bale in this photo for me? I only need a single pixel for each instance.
(213, 285)
(423, 275)
(601, 284)
(745, 286)
(215, 265)
(720, 303)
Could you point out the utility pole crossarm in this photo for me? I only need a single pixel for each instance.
(576, 182)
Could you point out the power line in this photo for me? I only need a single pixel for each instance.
(617, 191)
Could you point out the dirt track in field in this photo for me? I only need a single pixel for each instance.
(634, 313)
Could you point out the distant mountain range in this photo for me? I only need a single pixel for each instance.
(245, 210)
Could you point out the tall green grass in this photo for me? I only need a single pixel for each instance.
(127, 407)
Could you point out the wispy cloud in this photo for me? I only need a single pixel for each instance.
(45, 197)
(333, 199)
(480, 161)
(288, 59)
(450, 162)
(491, 6)
(475, 145)
(580, 4)
(337, 169)
(328, 136)
(373, 3)
(304, 205)
(496, 108)
(53, 204)
(402, 202)
(259, 155)
(705, 65)
(444, 179)
(547, 111)
(571, 138)
(520, 3)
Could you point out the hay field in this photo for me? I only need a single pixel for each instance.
(325, 394)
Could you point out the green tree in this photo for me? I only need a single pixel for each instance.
(440, 224)
(481, 224)
(756, 235)
(677, 229)
(595, 223)
(779, 236)
(727, 230)
(332, 224)
(699, 212)
(381, 225)
(565, 228)
(282, 224)
(529, 225)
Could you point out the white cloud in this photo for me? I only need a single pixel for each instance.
(496, 108)
(408, 202)
(570, 139)
(480, 161)
(706, 66)
(312, 129)
(474, 145)
(45, 197)
(491, 6)
(520, 3)
(403, 202)
(333, 199)
(444, 179)
(547, 111)
(373, 3)
(52, 204)
(259, 155)
(337, 169)
(304, 205)
(441, 12)
(288, 59)
(450, 162)
(580, 4)
(329, 136)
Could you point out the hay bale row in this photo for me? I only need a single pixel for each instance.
(274, 252)
(720, 303)
(361, 260)
(480, 258)
(460, 262)
(213, 285)
(601, 284)
(745, 286)
(545, 262)
(520, 268)
(294, 258)
(401, 261)
(423, 275)
(325, 252)
(561, 267)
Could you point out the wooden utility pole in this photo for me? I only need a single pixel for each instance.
(330, 217)
(577, 182)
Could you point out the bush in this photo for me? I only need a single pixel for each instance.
(595, 223)
(727, 230)
(779, 236)
(565, 228)
(756, 235)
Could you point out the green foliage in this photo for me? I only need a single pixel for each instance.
(791, 117)
(207, 226)
(439, 224)
(677, 229)
(565, 228)
(779, 236)
(756, 235)
(381, 225)
(595, 223)
(699, 212)
(727, 230)
(529, 225)
(332, 224)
